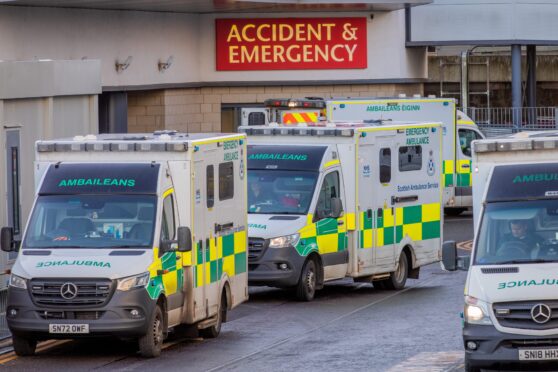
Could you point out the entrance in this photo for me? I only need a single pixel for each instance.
(13, 181)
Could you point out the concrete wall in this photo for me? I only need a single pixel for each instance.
(199, 109)
(485, 21)
(60, 34)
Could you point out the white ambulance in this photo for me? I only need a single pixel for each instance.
(131, 235)
(511, 293)
(339, 200)
(459, 132)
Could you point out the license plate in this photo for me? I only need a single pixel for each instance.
(538, 354)
(68, 328)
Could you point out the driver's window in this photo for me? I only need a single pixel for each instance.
(167, 229)
(329, 190)
(466, 137)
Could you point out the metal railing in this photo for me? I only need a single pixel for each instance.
(496, 121)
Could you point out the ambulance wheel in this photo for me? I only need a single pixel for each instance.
(150, 344)
(214, 330)
(306, 287)
(23, 346)
(454, 211)
(398, 278)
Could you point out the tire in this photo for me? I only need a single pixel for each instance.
(454, 211)
(306, 287)
(214, 330)
(24, 346)
(398, 278)
(150, 344)
(470, 368)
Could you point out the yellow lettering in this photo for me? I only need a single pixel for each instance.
(249, 57)
(282, 36)
(266, 54)
(278, 51)
(289, 53)
(307, 53)
(328, 27)
(334, 55)
(259, 33)
(245, 33)
(322, 53)
(317, 34)
(234, 34)
(233, 54)
(351, 51)
(299, 32)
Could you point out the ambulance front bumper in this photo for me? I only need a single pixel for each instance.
(495, 349)
(125, 314)
(274, 267)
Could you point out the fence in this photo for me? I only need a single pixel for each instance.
(500, 120)
(4, 332)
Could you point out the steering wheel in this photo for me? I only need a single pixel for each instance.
(513, 250)
(58, 235)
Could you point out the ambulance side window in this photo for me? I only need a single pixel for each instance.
(226, 181)
(329, 190)
(167, 228)
(466, 136)
(410, 158)
(210, 186)
(385, 165)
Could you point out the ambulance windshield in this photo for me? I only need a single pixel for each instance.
(280, 192)
(92, 221)
(518, 232)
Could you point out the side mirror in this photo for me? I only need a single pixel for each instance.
(7, 239)
(463, 263)
(336, 208)
(449, 256)
(184, 239)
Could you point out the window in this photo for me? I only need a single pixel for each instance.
(329, 190)
(210, 186)
(410, 158)
(256, 118)
(226, 180)
(167, 229)
(466, 136)
(385, 165)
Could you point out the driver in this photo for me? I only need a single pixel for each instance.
(257, 193)
(520, 232)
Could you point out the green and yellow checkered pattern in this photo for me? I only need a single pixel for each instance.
(418, 222)
(226, 253)
(324, 236)
(464, 173)
(448, 171)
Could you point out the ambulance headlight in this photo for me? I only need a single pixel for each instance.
(18, 282)
(284, 241)
(476, 311)
(131, 282)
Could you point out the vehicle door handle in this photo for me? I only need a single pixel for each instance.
(403, 199)
(224, 226)
(466, 166)
(340, 222)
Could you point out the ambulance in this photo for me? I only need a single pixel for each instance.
(343, 200)
(130, 236)
(459, 132)
(511, 292)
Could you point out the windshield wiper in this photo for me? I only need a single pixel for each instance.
(524, 261)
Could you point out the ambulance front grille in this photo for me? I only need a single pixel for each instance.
(256, 247)
(518, 315)
(90, 292)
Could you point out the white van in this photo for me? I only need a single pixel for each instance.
(343, 200)
(131, 235)
(511, 293)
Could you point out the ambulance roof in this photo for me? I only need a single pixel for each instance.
(522, 141)
(157, 141)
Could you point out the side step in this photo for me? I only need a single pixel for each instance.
(372, 278)
(207, 322)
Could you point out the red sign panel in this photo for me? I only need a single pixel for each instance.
(290, 43)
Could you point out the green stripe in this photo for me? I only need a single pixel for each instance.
(412, 214)
(430, 230)
(228, 245)
(326, 226)
(240, 263)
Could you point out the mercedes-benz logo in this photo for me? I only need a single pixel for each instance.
(541, 313)
(68, 291)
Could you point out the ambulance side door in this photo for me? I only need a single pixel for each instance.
(383, 210)
(201, 237)
(367, 205)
